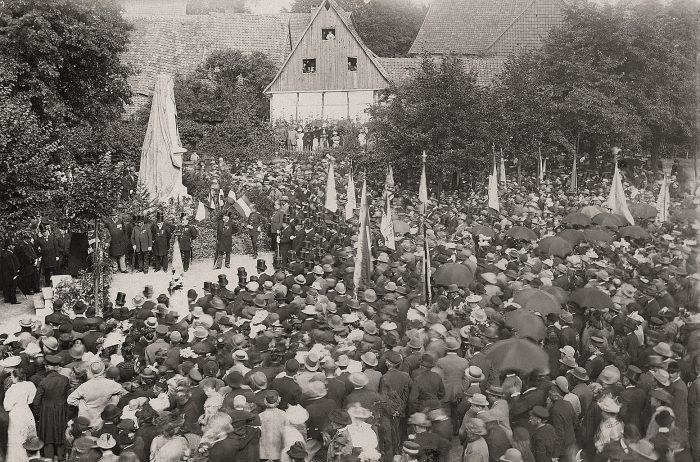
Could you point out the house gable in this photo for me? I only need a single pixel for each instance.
(529, 29)
(331, 63)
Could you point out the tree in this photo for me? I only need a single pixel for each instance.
(440, 109)
(305, 6)
(63, 56)
(26, 145)
(389, 27)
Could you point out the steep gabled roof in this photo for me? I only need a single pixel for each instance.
(345, 18)
(467, 27)
(178, 44)
(485, 68)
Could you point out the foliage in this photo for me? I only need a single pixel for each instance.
(26, 147)
(222, 109)
(63, 55)
(439, 110)
(92, 190)
(305, 6)
(389, 27)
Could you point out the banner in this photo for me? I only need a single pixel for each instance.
(351, 203)
(616, 199)
(331, 195)
(242, 206)
(493, 191)
(363, 259)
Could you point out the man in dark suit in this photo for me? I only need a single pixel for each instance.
(52, 408)
(118, 243)
(128, 181)
(188, 234)
(286, 237)
(63, 242)
(395, 386)
(255, 224)
(288, 389)
(161, 243)
(426, 384)
(48, 248)
(632, 398)
(28, 259)
(224, 241)
(319, 407)
(141, 242)
(9, 272)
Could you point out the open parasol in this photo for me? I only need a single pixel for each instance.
(634, 232)
(590, 297)
(609, 220)
(577, 219)
(555, 245)
(561, 295)
(537, 300)
(641, 210)
(526, 324)
(522, 233)
(574, 236)
(591, 210)
(453, 273)
(518, 355)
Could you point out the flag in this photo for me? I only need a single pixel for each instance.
(387, 224)
(423, 189)
(493, 191)
(573, 187)
(177, 265)
(213, 200)
(201, 212)
(616, 199)
(503, 171)
(363, 262)
(544, 167)
(663, 202)
(242, 206)
(389, 183)
(331, 196)
(351, 203)
(231, 196)
(426, 270)
(222, 198)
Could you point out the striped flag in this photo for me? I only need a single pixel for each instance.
(386, 225)
(242, 206)
(573, 187)
(222, 197)
(363, 260)
(331, 195)
(423, 189)
(231, 197)
(616, 199)
(663, 202)
(426, 270)
(503, 170)
(351, 203)
(493, 190)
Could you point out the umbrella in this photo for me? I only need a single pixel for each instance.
(482, 230)
(687, 214)
(401, 227)
(453, 273)
(609, 220)
(526, 324)
(558, 293)
(591, 210)
(575, 236)
(577, 219)
(521, 233)
(634, 232)
(537, 300)
(641, 210)
(518, 355)
(555, 245)
(590, 297)
(598, 235)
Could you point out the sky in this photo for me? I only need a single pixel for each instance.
(274, 6)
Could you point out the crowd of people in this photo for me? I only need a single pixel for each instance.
(297, 363)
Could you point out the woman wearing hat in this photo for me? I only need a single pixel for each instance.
(169, 445)
(22, 425)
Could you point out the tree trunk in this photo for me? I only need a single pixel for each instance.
(655, 149)
(97, 266)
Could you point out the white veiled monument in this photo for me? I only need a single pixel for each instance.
(161, 154)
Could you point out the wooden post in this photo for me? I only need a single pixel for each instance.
(97, 267)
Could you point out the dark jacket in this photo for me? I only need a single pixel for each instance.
(161, 240)
(288, 389)
(188, 234)
(242, 445)
(319, 410)
(118, 239)
(224, 236)
(49, 251)
(142, 238)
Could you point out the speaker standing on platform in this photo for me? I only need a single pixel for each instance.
(224, 240)
(255, 224)
(141, 242)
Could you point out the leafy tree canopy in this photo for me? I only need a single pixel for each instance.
(216, 6)
(63, 56)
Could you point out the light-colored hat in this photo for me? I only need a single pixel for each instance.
(608, 404)
(356, 411)
(358, 379)
(296, 415)
(479, 400)
(511, 455)
(106, 441)
(610, 375)
(419, 419)
(645, 448)
(474, 374)
(661, 376)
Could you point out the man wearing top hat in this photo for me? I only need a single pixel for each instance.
(255, 224)
(161, 243)
(286, 238)
(141, 243)
(224, 240)
(226, 295)
(188, 233)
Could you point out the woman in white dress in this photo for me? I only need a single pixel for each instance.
(22, 424)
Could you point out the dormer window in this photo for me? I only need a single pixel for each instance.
(328, 34)
(309, 66)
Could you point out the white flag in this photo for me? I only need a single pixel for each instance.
(503, 171)
(331, 196)
(663, 202)
(493, 190)
(616, 199)
(387, 224)
(231, 196)
(201, 213)
(351, 203)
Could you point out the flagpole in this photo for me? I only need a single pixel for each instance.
(426, 263)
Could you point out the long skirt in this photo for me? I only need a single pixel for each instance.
(21, 428)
